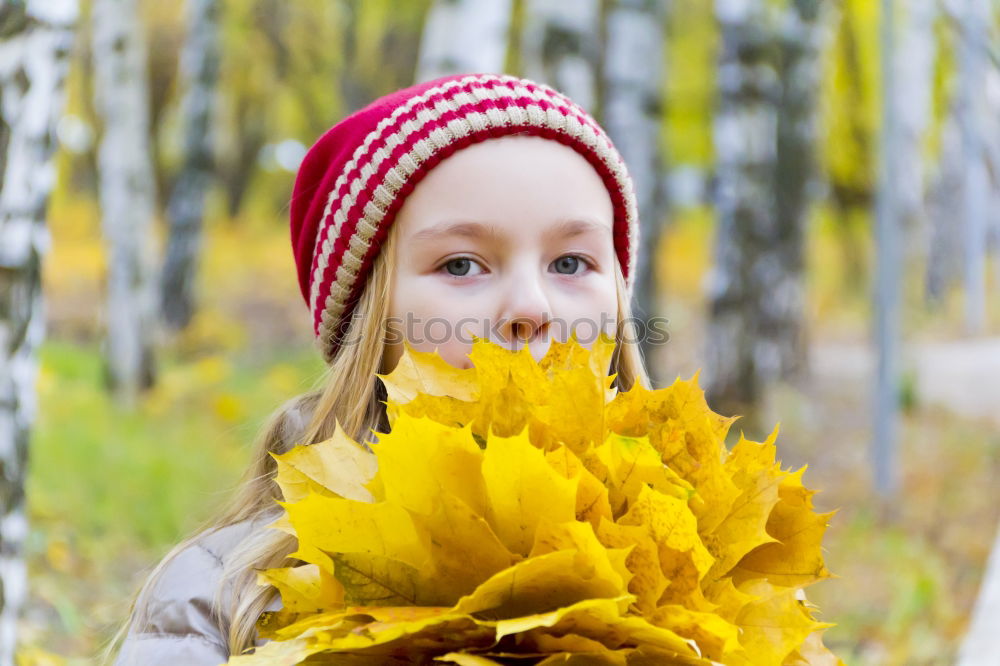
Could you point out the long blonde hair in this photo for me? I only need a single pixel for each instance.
(347, 392)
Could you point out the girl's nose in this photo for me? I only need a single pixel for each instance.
(527, 311)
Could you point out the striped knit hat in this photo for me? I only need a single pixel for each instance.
(354, 179)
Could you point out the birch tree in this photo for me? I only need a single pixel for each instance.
(464, 36)
(186, 207)
(801, 37)
(888, 273)
(944, 252)
(561, 47)
(974, 17)
(966, 178)
(764, 132)
(35, 43)
(633, 108)
(914, 71)
(126, 188)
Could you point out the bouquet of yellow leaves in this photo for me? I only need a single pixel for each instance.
(524, 512)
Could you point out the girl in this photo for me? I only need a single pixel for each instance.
(474, 204)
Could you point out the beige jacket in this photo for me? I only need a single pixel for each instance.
(182, 630)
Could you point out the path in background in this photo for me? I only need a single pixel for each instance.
(962, 376)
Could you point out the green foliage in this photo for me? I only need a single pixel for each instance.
(909, 398)
(143, 478)
(690, 82)
(850, 99)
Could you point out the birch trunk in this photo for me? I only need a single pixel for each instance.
(801, 39)
(944, 254)
(992, 147)
(973, 49)
(764, 132)
(35, 43)
(464, 36)
(126, 195)
(633, 108)
(888, 274)
(561, 47)
(915, 73)
(745, 137)
(966, 179)
(185, 210)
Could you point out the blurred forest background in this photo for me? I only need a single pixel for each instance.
(819, 184)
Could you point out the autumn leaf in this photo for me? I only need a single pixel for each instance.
(529, 511)
(336, 467)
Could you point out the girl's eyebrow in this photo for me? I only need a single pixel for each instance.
(564, 229)
(466, 229)
(575, 227)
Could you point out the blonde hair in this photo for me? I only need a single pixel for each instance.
(347, 392)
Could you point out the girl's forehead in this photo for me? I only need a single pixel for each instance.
(523, 149)
(521, 176)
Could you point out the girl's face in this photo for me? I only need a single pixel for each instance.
(508, 239)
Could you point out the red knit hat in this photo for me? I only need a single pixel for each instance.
(354, 179)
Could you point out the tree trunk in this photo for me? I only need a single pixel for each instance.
(944, 254)
(764, 133)
(126, 196)
(633, 109)
(35, 44)
(463, 36)
(973, 50)
(915, 72)
(185, 211)
(561, 47)
(745, 136)
(992, 147)
(801, 39)
(251, 133)
(888, 275)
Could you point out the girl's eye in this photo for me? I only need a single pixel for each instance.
(460, 266)
(569, 264)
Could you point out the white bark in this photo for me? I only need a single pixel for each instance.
(764, 132)
(944, 254)
(34, 58)
(802, 35)
(914, 69)
(126, 194)
(745, 137)
(633, 108)
(992, 147)
(560, 46)
(888, 273)
(464, 36)
(973, 56)
(185, 210)
(964, 201)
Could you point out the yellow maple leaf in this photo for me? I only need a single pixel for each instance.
(529, 510)
(336, 467)
(523, 490)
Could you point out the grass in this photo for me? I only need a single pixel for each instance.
(110, 491)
